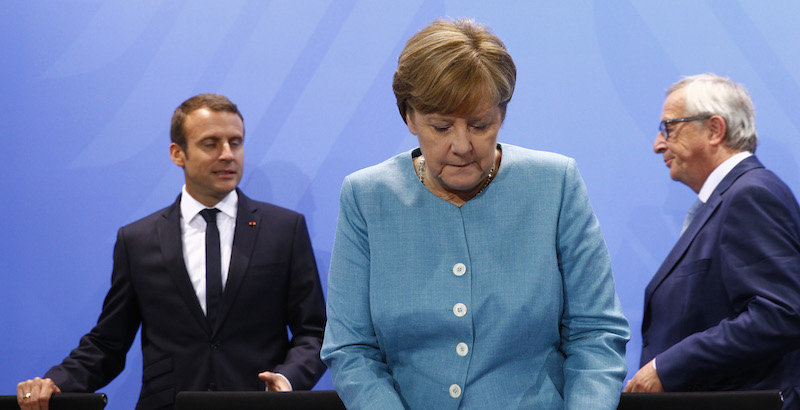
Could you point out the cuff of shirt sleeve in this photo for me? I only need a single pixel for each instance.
(287, 382)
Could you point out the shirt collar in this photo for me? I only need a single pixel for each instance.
(190, 207)
(719, 174)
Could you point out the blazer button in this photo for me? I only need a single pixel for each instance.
(459, 309)
(215, 345)
(455, 391)
(462, 349)
(459, 269)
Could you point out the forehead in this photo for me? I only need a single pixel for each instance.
(204, 122)
(675, 104)
(486, 110)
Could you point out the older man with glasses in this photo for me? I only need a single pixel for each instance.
(723, 310)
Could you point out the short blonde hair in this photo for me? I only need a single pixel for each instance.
(453, 66)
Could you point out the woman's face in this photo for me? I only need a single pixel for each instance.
(459, 149)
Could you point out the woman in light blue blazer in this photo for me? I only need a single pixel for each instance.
(467, 273)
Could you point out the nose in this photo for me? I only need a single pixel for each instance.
(660, 143)
(462, 142)
(227, 152)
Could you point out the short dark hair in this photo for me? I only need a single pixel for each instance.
(213, 102)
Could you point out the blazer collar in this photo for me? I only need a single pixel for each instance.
(702, 216)
(248, 221)
(172, 252)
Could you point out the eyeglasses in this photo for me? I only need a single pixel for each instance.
(662, 127)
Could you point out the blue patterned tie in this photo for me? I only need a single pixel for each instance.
(690, 215)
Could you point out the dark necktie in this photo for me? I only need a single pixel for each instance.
(213, 265)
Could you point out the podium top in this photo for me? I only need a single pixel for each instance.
(318, 399)
(728, 400)
(63, 401)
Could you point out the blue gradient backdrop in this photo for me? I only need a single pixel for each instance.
(88, 88)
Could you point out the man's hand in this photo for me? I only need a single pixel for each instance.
(275, 381)
(35, 394)
(645, 380)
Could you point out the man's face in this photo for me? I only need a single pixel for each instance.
(686, 151)
(214, 156)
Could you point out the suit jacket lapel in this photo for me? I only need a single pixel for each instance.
(172, 252)
(700, 219)
(244, 239)
(677, 252)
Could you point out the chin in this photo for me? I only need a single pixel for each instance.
(225, 190)
(463, 182)
(461, 187)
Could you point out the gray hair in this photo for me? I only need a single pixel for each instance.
(710, 94)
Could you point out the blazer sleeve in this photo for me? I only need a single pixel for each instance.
(306, 310)
(759, 257)
(100, 356)
(351, 351)
(593, 329)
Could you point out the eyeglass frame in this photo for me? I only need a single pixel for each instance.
(662, 126)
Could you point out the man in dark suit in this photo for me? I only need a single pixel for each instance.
(723, 310)
(224, 331)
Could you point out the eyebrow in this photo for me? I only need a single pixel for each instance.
(487, 116)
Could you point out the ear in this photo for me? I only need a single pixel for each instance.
(717, 127)
(177, 154)
(411, 121)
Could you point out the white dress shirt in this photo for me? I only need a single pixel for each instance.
(193, 233)
(719, 173)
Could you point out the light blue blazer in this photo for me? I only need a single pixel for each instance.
(506, 302)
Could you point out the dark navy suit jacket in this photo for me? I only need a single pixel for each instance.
(272, 283)
(723, 310)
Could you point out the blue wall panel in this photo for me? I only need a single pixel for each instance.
(89, 88)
